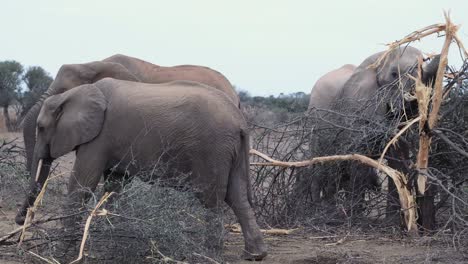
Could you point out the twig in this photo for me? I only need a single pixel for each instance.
(31, 211)
(236, 228)
(395, 138)
(53, 261)
(207, 258)
(453, 145)
(164, 259)
(12, 233)
(93, 213)
(339, 242)
(24, 227)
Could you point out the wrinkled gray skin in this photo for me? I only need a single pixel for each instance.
(128, 126)
(379, 89)
(118, 67)
(329, 86)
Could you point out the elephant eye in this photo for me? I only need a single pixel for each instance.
(394, 74)
(40, 127)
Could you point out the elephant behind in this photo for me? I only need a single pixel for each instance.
(194, 128)
(354, 110)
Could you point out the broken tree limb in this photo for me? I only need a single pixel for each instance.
(429, 119)
(407, 200)
(93, 213)
(236, 228)
(24, 227)
(429, 101)
(397, 136)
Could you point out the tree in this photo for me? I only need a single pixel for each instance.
(10, 85)
(37, 81)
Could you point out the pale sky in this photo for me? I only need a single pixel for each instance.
(262, 46)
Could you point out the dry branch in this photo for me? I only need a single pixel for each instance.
(16, 231)
(46, 260)
(236, 228)
(429, 103)
(93, 213)
(401, 181)
(425, 127)
(32, 210)
(397, 136)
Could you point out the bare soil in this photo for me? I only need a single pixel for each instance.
(310, 248)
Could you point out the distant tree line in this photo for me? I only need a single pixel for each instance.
(20, 88)
(291, 103)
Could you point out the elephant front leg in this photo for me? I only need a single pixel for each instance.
(87, 171)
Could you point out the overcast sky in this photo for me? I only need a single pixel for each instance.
(262, 46)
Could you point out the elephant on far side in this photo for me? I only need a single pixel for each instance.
(330, 85)
(128, 126)
(348, 102)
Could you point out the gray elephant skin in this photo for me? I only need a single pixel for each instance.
(195, 128)
(118, 67)
(346, 100)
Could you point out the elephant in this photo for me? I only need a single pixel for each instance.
(346, 103)
(329, 85)
(118, 67)
(195, 128)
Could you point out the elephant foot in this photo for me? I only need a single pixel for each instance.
(255, 252)
(254, 256)
(20, 218)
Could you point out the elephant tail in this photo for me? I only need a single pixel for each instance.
(242, 164)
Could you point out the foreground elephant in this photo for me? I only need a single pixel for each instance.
(347, 101)
(128, 126)
(118, 67)
(123, 68)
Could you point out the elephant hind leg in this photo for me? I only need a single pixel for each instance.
(237, 199)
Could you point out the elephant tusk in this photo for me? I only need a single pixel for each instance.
(38, 171)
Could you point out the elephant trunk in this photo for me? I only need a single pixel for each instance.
(40, 170)
(29, 129)
(429, 71)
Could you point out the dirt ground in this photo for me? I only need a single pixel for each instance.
(310, 248)
(301, 247)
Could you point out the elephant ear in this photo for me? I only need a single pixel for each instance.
(362, 84)
(79, 118)
(359, 92)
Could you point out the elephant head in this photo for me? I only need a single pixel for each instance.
(388, 85)
(68, 77)
(65, 121)
(346, 112)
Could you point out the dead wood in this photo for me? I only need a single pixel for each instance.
(401, 181)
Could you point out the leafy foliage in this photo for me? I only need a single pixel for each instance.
(37, 81)
(13, 80)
